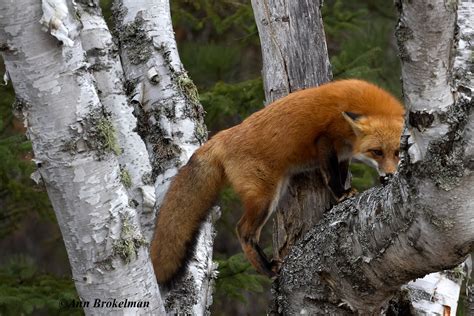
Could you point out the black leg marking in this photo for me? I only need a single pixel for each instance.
(334, 173)
(265, 263)
(344, 171)
(335, 183)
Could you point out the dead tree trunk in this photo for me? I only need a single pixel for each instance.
(294, 60)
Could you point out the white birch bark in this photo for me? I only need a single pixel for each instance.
(436, 292)
(73, 143)
(102, 55)
(366, 248)
(171, 123)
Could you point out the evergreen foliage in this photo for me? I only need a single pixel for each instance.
(237, 275)
(215, 19)
(18, 194)
(25, 291)
(217, 40)
(361, 43)
(363, 177)
(228, 104)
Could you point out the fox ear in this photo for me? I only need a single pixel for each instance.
(352, 119)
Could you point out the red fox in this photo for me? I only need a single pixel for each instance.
(321, 127)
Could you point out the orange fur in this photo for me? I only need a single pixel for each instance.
(294, 133)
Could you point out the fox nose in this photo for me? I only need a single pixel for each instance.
(384, 179)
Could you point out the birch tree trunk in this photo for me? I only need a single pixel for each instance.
(102, 55)
(75, 146)
(439, 292)
(171, 123)
(367, 247)
(295, 57)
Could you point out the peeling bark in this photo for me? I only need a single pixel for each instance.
(436, 293)
(75, 144)
(170, 121)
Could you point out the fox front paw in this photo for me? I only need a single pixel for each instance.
(347, 194)
(275, 267)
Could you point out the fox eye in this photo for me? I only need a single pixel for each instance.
(397, 153)
(376, 152)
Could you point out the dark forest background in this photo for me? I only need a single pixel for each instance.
(219, 46)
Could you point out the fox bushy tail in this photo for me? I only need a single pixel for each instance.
(186, 204)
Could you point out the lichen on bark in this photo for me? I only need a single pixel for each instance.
(94, 132)
(125, 177)
(126, 247)
(133, 37)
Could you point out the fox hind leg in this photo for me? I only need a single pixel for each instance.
(248, 230)
(259, 188)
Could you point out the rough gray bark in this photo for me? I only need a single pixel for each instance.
(74, 142)
(365, 248)
(171, 124)
(292, 60)
(470, 300)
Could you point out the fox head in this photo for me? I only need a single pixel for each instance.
(377, 141)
